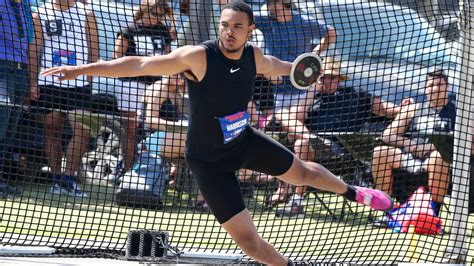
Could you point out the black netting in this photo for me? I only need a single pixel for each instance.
(92, 157)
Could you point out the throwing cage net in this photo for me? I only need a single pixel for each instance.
(95, 166)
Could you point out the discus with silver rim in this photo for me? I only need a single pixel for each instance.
(306, 71)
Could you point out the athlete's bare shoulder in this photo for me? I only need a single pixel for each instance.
(256, 50)
(258, 53)
(195, 57)
(259, 57)
(190, 53)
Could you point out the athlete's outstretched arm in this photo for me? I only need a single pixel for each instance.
(132, 66)
(269, 65)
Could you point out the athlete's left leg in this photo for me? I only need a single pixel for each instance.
(269, 156)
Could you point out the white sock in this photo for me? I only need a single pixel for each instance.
(297, 199)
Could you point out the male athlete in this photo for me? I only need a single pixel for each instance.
(220, 76)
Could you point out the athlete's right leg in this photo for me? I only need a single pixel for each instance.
(242, 229)
(315, 175)
(221, 189)
(268, 156)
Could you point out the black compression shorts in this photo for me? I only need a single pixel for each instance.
(218, 181)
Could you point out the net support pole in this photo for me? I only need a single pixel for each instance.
(456, 250)
(200, 13)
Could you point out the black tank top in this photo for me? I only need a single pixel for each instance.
(226, 89)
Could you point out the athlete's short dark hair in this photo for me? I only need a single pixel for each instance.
(242, 7)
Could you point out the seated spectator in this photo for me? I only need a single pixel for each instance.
(148, 35)
(286, 35)
(414, 153)
(331, 108)
(164, 103)
(199, 25)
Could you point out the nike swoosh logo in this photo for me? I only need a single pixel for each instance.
(232, 71)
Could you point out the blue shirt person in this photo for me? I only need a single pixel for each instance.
(287, 35)
(14, 39)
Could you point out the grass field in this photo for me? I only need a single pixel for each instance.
(96, 221)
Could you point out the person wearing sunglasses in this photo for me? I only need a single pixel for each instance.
(328, 107)
(148, 35)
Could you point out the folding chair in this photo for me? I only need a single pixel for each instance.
(337, 159)
(340, 163)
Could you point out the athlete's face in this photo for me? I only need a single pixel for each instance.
(234, 30)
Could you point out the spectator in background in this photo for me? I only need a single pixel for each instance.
(166, 120)
(286, 36)
(331, 108)
(14, 17)
(65, 34)
(191, 30)
(417, 154)
(149, 35)
(214, 20)
(196, 28)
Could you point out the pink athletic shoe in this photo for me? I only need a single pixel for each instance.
(376, 199)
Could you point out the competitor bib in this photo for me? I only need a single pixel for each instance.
(233, 125)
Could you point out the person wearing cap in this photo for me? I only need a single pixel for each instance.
(414, 154)
(328, 107)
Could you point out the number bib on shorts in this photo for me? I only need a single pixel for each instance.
(233, 125)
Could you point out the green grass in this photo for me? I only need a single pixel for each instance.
(317, 235)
